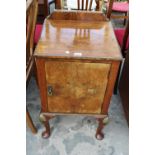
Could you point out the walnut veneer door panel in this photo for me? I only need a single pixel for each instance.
(77, 87)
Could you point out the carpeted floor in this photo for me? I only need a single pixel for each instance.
(75, 135)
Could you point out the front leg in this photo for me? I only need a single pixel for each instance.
(102, 122)
(44, 118)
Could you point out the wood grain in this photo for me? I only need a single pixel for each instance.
(109, 9)
(76, 89)
(77, 59)
(84, 4)
(40, 63)
(90, 4)
(110, 87)
(60, 39)
(58, 4)
(31, 14)
(77, 15)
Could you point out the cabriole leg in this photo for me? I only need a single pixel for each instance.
(102, 122)
(44, 118)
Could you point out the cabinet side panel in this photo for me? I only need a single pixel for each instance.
(110, 86)
(40, 64)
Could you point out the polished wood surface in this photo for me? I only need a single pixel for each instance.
(44, 118)
(83, 4)
(77, 62)
(59, 39)
(74, 85)
(77, 15)
(109, 9)
(58, 4)
(99, 5)
(99, 135)
(40, 64)
(110, 87)
(31, 15)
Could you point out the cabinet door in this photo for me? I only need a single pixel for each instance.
(76, 87)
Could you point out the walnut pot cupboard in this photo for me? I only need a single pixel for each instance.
(77, 61)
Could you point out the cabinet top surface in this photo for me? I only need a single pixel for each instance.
(75, 38)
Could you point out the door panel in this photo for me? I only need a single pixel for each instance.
(76, 87)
